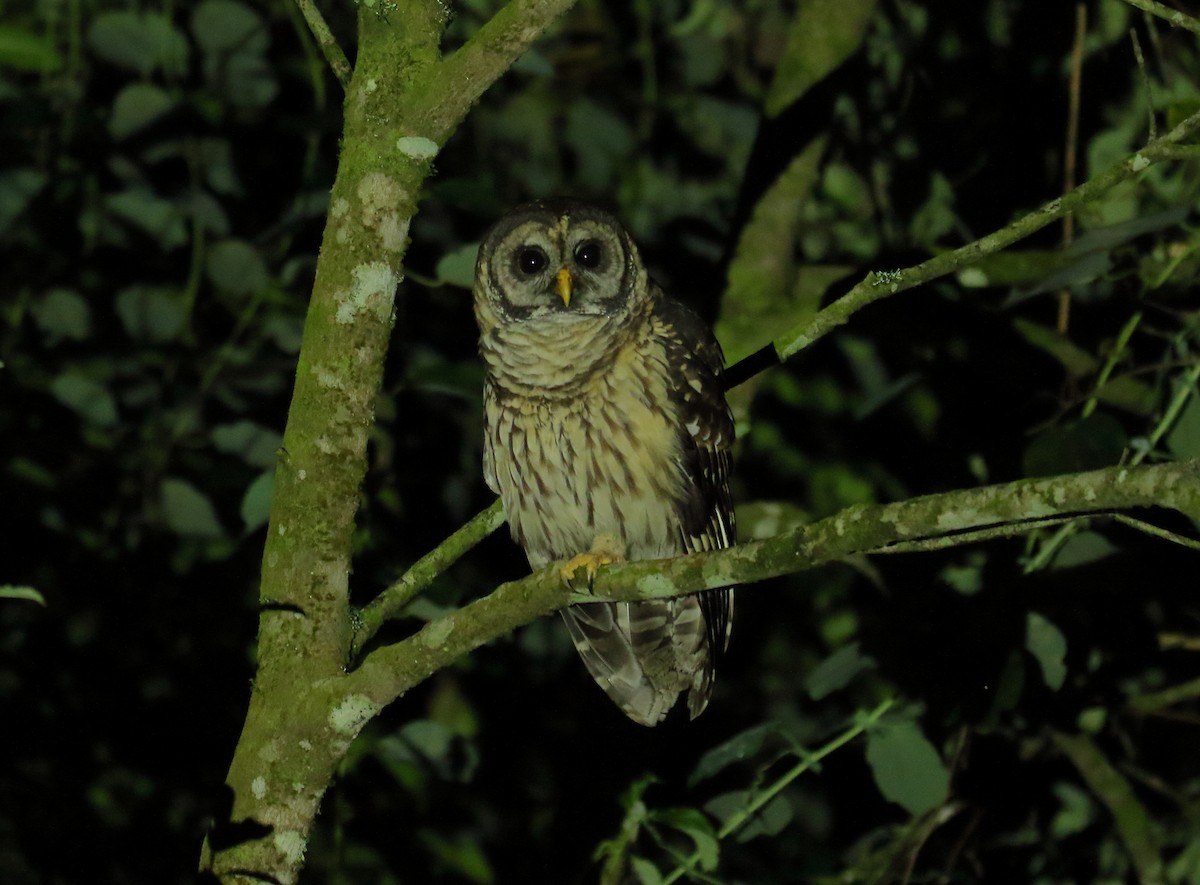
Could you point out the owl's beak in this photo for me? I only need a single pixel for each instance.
(563, 283)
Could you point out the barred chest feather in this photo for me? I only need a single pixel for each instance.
(572, 465)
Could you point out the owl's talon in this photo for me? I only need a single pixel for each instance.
(590, 562)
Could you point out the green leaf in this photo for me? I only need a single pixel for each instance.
(646, 872)
(150, 313)
(697, 827)
(187, 511)
(18, 187)
(1047, 644)
(144, 209)
(822, 35)
(1088, 444)
(139, 42)
(89, 399)
(256, 503)
(223, 26)
(136, 107)
(906, 767)
(763, 291)
(1082, 548)
(738, 748)
(253, 443)
(837, 671)
(11, 591)
(461, 853)
(457, 267)
(1184, 438)
(236, 267)
(62, 313)
(24, 50)
(1122, 392)
(1076, 811)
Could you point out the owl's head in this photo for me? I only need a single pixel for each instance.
(556, 258)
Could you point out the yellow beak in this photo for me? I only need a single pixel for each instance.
(563, 283)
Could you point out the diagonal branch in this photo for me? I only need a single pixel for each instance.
(389, 603)
(326, 41)
(389, 671)
(1167, 14)
(877, 286)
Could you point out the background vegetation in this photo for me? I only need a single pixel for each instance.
(163, 187)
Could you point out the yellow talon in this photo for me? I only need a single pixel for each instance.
(590, 561)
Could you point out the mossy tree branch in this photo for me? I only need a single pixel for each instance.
(390, 671)
(403, 101)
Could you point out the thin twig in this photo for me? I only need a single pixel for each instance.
(328, 43)
(389, 603)
(1071, 149)
(1167, 14)
(1157, 531)
(807, 761)
(1141, 63)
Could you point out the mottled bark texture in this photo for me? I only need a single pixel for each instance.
(403, 101)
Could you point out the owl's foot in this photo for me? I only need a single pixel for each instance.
(590, 562)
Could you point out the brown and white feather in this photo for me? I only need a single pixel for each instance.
(603, 426)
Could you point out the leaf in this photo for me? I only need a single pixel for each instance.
(1121, 392)
(253, 443)
(144, 209)
(457, 267)
(822, 35)
(1184, 438)
(697, 827)
(11, 591)
(222, 26)
(1075, 812)
(89, 399)
(62, 313)
(1082, 548)
(24, 50)
(136, 107)
(236, 267)
(461, 853)
(139, 42)
(906, 767)
(256, 502)
(187, 511)
(762, 290)
(18, 187)
(738, 748)
(837, 671)
(1048, 646)
(1088, 444)
(150, 313)
(646, 872)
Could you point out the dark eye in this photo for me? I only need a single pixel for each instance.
(588, 254)
(530, 260)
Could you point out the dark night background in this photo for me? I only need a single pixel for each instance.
(164, 173)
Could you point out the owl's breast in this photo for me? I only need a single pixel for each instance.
(604, 461)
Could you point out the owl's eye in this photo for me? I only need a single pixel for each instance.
(530, 260)
(589, 254)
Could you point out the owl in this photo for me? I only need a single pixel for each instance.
(607, 438)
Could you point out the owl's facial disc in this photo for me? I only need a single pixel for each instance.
(559, 264)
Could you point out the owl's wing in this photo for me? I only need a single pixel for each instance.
(706, 437)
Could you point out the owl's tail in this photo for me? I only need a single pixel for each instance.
(645, 654)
